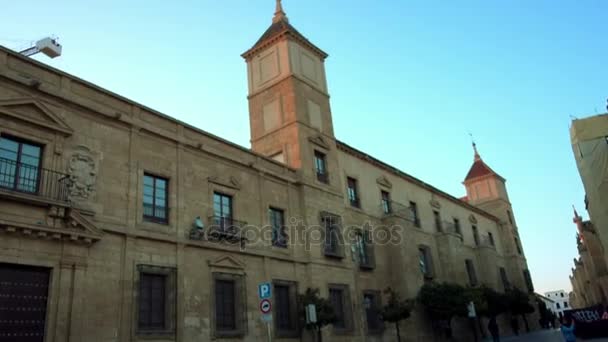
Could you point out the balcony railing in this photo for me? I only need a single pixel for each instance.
(392, 208)
(322, 177)
(32, 180)
(225, 228)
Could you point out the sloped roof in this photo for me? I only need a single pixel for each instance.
(280, 28)
(479, 168)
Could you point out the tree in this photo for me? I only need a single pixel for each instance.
(488, 303)
(395, 310)
(324, 309)
(519, 304)
(443, 302)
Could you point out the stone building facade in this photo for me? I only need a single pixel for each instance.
(120, 223)
(590, 274)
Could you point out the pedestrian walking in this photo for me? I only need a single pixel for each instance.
(515, 325)
(493, 328)
(567, 329)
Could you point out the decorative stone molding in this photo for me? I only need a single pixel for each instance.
(472, 219)
(82, 171)
(227, 261)
(232, 182)
(75, 229)
(435, 203)
(34, 112)
(319, 141)
(383, 181)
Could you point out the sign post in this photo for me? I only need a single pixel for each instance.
(265, 294)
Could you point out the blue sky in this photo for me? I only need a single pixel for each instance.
(408, 79)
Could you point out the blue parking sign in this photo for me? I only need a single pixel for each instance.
(264, 290)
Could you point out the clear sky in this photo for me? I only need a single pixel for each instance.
(408, 79)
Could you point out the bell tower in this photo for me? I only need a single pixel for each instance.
(289, 110)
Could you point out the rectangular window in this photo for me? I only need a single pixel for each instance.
(285, 308)
(437, 218)
(277, 223)
(156, 300)
(353, 196)
(155, 198)
(340, 301)
(471, 272)
(491, 238)
(372, 306)
(321, 167)
(518, 246)
(364, 248)
(223, 212)
(333, 244)
(503, 277)
(475, 235)
(19, 165)
(557, 305)
(457, 229)
(528, 280)
(152, 301)
(565, 304)
(425, 261)
(414, 214)
(386, 202)
(228, 307)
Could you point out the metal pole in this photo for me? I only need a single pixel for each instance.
(269, 332)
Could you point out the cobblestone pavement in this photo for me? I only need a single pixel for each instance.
(544, 336)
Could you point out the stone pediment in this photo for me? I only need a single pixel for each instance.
(319, 141)
(230, 182)
(227, 261)
(76, 228)
(34, 112)
(383, 181)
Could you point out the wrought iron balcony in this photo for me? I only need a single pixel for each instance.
(20, 178)
(225, 228)
(392, 208)
(322, 177)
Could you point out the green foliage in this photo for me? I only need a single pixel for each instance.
(443, 301)
(395, 309)
(325, 310)
(519, 302)
(488, 302)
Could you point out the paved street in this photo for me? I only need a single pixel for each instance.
(543, 336)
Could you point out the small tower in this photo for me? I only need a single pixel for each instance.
(289, 110)
(483, 184)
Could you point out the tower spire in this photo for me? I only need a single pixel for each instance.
(477, 156)
(279, 14)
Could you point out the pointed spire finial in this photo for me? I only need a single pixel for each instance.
(477, 156)
(279, 14)
(576, 217)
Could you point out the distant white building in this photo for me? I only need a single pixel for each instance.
(560, 301)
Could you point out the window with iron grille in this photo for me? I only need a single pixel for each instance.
(386, 202)
(414, 213)
(155, 300)
(528, 280)
(518, 246)
(285, 308)
(19, 164)
(155, 198)
(475, 234)
(503, 277)
(372, 305)
(352, 192)
(152, 299)
(340, 300)
(425, 261)
(321, 167)
(225, 305)
(364, 249)
(471, 272)
(333, 238)
(437, 218)
(457, 226)
(228, 305)
(277, 223)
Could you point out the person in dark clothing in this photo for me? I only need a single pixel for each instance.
(493, 328)
(515, 325)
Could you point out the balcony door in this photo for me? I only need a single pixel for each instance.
(19, 165)
(222, 210)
